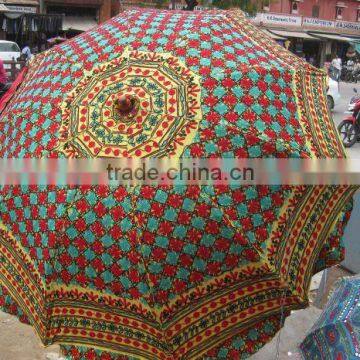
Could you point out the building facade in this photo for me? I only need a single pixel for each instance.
(36, 21)
(315, 29)
(164, 4)
(341, 17)
(348, 10)
(23, 22)
(81, 15)
(145, 3)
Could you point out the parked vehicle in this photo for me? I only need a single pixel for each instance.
(356, 75)
(353, 101)
(347, 72)
(9, 51)
(333, 94)
(349, 128)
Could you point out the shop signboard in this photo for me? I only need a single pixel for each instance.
(314, 22)
(22, 9)
(278, 19)
(305, 22)
(346, 25)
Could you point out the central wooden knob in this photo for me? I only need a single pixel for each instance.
(126, 105)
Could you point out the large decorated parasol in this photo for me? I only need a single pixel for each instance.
(336, 334)
(170, 272)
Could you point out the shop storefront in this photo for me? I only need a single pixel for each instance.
(337, 45)
(315, 39)
(24, 25)
(76, 18)
(302, 44)
(81, 15)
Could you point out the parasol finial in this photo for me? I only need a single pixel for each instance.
(127, 105)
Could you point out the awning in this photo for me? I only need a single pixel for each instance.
(4, 8)
(273, 36)
(331, 37)
(80, 23)
(341, 4)
(354, 39)
(294, 34)
(356, 46)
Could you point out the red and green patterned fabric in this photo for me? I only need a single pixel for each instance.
(336, 334)
(167, 272)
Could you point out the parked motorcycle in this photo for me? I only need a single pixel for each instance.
(349, 128)
(356, 76)
(347, 73)
(353, 101)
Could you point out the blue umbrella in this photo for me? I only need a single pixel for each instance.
(336, 335)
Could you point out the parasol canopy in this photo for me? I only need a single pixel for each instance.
(336, 334)
(170, 271)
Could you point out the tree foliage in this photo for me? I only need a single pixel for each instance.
(160, 3)
(249, 6)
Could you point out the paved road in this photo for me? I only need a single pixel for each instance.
(346, 91)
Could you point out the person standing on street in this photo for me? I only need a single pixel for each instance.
(26, 52)
(356, 72)
(337, 65)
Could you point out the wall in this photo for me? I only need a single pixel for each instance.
(91, 3)
(351, 238)
(107, 8)
(144, 3)
(105, 11)
(75, 2)
(327, 8)
(115, 7)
